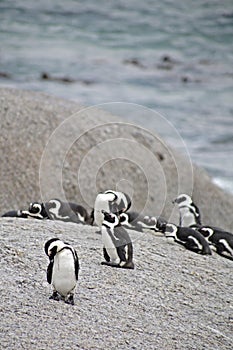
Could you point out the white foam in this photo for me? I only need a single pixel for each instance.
(225, 184)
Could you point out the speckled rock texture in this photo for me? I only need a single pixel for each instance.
(174, 299)
(53, 148)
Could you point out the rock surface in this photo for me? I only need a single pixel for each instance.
(174, 299)
(53, 148)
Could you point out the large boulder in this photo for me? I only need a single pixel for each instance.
(51, 147)
(173, 299)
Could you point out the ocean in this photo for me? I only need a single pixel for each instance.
(174, 57)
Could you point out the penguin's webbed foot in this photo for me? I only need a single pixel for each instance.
(70, 300)
(129, 265)
(109, 263)
(55, 296)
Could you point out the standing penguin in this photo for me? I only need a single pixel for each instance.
(220, 239)
(117, 245)
(189, 213)
(188, 237)
(63, 269)
(110, 201)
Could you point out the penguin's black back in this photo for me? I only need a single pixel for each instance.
(218, 233)
(15, 213)
(184, 233)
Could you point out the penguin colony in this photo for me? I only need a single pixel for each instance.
(110, 214)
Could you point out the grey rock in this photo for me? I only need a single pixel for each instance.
(174, 299)
(53, 148)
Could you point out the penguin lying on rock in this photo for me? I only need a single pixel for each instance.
(111, 202)
(117, 245)
(63, 269)
(188, 237)
(220, 239)
(135, 221)
(189, 213)
(55, 209)
(66, 211)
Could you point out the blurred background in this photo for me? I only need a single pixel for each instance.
(175, 57)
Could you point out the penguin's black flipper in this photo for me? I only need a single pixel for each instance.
(49, 272)
(121, 253)
(196, 213)
(106, 256)
(76, 265)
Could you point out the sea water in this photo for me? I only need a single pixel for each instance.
(175, 57)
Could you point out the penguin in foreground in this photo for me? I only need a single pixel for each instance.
(135, 221)
(220, 239)
(189, 213)
(117, 245)
(188, 237)
(110, 201)
(63, 269)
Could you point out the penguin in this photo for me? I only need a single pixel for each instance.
(135, 221)
(55, 209)
(117, 245)
(110, 201)
(15, 214)
(66, 211)
(220, 239)
(63, 269)
(189, 213)
(37, 210)
(188, 237)
(121, 204)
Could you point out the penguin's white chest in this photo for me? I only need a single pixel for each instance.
(109, 246)
(63, 277)
(187, 218)
(100, 204)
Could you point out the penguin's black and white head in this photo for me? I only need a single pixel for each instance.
(161, 225)
(124, 219)
(183, 200)
(121, 202)
(170, 230)
(206, 231)
(52, 246)
(35, 208)
(110, 201)
(111, 220)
